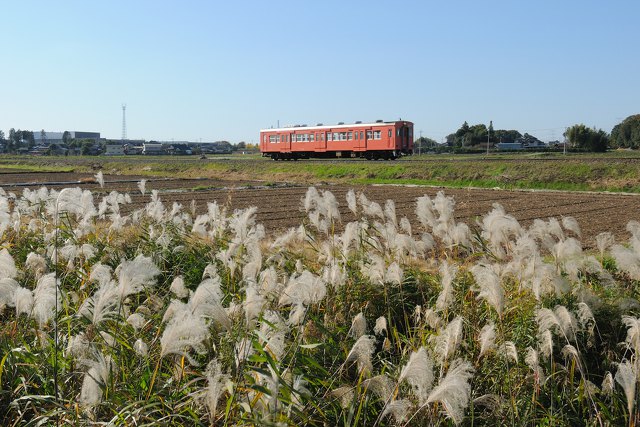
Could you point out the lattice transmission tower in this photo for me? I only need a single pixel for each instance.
(124, 123)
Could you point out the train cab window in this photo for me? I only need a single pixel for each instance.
(389, 133)
(398, 132)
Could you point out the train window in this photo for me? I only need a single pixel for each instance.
(389, 133)
(410, 132)
(398, 132)
(264, 139)
(361, 135)
(343, 136)
(329, 136)
(312, 137)
(377, 134)
(369, 134)
(336, 136)
(349, 136)
(356, 132)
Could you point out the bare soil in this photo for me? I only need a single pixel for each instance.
(279, 206)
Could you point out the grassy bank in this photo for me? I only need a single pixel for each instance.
(606, 172)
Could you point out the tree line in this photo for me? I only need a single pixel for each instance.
(579, 136)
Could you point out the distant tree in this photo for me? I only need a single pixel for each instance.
(627, 133)
(502, 135)
(43, 136)
(424, 144)
(589, 139)
(2, 138)
(66, 137)
(27, 135)
(241, 145)
(14, 140)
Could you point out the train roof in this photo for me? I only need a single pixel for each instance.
(336, 126)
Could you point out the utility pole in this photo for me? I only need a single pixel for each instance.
(489, 134)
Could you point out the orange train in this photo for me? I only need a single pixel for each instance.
(379, 140)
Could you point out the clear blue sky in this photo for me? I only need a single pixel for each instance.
(211, 70)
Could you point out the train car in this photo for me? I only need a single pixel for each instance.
(378, 140)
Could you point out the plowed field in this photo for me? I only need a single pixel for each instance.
(279, 206)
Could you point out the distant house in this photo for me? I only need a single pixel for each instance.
(152, 149)
(180, 149)
(509, 146)
(114, 150)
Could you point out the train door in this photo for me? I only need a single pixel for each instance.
(321, 141)
(287, 141)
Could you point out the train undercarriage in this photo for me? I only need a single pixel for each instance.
(369, 155)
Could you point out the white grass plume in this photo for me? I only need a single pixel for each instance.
(352, 201)
(36, 264)
(394, 274)
(498, 229)
(398, 409)
(361, 353)
(626, 376)
(447, 275)
(23, 301)
(380, 327)
(633, 333)
(142, 186)
(489, 287)
(418, 372)
(184, 331)
(100, 179)
(545, 340)
(141, 348)
(454, 390)
(206, 301)
(604, 241)
(508, 349)
(608, 384)
(95, 380)
(570, 224)
(216, 385)
(305, 288)
(136, 320)
(559, 318)
(104, 304)
(7, 265)
(8, 289)
(178, 288)
(136, 275)
(44, 299)
(627, 260)
(487, 338)
(380, 385)
(370, 208)
(344, 394)
(358, 326)
(253, 303)
(448, 340)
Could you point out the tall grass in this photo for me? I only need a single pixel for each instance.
(168, 317)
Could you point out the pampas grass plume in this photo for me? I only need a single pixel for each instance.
(418, 372)
(454, 390)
